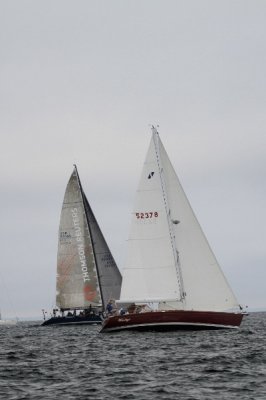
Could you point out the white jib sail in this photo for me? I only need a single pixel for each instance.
(184, 274)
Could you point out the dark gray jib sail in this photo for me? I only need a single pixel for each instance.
(87, 274)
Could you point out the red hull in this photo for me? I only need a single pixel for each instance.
(164, 320)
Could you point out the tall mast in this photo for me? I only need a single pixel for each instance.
(97, 269)
(155, 135)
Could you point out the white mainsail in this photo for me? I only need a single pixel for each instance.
(169, 260)
(84, 276)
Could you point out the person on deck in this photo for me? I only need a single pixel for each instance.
(109, 308)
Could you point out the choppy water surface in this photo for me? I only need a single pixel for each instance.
(79, 363)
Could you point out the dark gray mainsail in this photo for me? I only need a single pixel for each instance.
(87, 274)
(108, 274)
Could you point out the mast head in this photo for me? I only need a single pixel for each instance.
(154, 129)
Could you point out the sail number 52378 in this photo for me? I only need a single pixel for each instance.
(144, 215)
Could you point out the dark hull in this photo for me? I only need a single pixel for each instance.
(77, 320)
(169, 320)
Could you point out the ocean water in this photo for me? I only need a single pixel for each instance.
(70, 362)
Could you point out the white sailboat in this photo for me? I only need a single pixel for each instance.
(171, 278)
(87, 275)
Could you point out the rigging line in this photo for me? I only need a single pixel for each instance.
(167, 209)
(92, 242)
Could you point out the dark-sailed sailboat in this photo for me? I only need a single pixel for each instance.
(171, 278)
(87, 275)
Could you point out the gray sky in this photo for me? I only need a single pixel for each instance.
(80, 83)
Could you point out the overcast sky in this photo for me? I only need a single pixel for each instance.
(80, 83)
